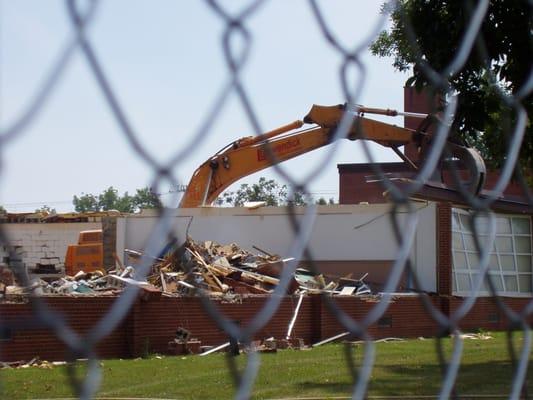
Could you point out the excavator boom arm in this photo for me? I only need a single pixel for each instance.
(251, 154)
(220, 171)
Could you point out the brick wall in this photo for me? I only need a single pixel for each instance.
(444, 248)
(417, 102)
(149, 326)
(405, 317)
(31, 337)
(353, 185)
(486, 314)
(156, 322)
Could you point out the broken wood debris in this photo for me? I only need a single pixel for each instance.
(35, 362)
(269, 345)
(222, 271)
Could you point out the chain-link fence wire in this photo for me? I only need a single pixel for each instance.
(403, 214)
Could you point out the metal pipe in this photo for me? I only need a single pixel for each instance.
(293, 320)
(268, 135)
(222, 346)
(331, 339)
(208, 184)
(389, 112)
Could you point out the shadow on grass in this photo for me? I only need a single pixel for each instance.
(324, 387)
(488, 378)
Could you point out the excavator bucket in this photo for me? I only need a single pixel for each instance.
(468, 161)
(472, 169)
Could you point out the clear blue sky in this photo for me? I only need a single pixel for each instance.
(165, 62)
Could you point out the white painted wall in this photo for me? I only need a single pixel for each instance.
(37, 242)
(340, 232)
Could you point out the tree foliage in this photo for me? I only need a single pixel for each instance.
(86, 202)
(500, 62)
(145, 198)
(110, 199)
(269, 191)
(323, 202)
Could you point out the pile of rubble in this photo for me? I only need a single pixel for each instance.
(219, 270)
(90, 283)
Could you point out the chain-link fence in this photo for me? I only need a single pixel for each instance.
(237, 26)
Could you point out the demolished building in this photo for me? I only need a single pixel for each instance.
(351, 238)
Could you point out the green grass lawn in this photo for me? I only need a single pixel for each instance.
(401, 368)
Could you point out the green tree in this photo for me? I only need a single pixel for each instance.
(124, 204)
(296, 198)
(110, 199)
(323, 202)
(146, 198)
(269, 191)
(500, 62)
(86, 203)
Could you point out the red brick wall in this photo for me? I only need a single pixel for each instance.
(417, 102)
(149, 326)
(157, 321)
(34, 338)
(486, 314)
(353, 185)
(404, 317)
(444, 248)
(512, 189)
(353, 189)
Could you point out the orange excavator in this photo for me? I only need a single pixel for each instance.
(254, 153)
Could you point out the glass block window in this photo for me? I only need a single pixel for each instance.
(510, 263)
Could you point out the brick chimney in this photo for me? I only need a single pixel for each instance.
(417, 102)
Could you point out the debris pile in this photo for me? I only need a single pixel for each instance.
(218, 270)
(222, 269)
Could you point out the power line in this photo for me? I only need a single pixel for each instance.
(37, 203)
